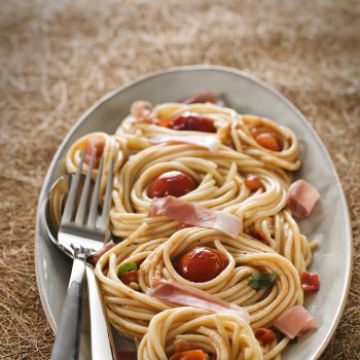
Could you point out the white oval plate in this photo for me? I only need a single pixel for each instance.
(330, 225)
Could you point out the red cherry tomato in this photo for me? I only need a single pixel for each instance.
(268, 141)
(253, 182)
(310, 282)
(256, 235)
(201, 264)
(130, 276)
(191, 122)
(174, 183)
(181, 345)
(190, 355)
(96, 148)
(264, 335)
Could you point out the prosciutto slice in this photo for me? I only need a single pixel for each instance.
(195, 215)
(201, 98)
(303, 198)
(179, 294)
(295, 321)
(209, 142)
(94, 258)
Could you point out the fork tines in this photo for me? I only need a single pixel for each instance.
(92, 220)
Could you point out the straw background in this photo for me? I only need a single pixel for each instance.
(58, 57)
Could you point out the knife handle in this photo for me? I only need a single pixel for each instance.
(68, 334)
(101, 337)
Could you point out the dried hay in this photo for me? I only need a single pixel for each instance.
(58, 57)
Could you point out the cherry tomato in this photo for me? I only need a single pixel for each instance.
(253, 182)
(130, 276)
(256, 130)
(256, 235)
(310, 282)
(174, 183)
(264, 335)
(268, 141)
(190, 355)
(201, 264)
(181, 345)
(96, 148)
(190, 122)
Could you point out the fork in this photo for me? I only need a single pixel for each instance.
(82, 235)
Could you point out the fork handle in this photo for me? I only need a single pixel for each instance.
(68, 334)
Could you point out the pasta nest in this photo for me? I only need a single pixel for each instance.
(220, 178)
(130, 308)
(220, 335)
(113, 148)
(232, 129)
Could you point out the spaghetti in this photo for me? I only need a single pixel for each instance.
(213, 159)
(219, 335)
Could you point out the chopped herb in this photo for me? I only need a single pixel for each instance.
(259, 279)
(126, 267)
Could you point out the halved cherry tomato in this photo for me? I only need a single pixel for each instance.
(256, 235)
(256, 130)
(253, 182)
(190, 122)
(201, 264)
(181, 345)
(310, 282)
(174, 183)
(130, 276)
(94, 147)
(190, 355)
(264, 335)
(269, 141)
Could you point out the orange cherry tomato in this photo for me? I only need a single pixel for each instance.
(190, 355)
(268, 141)
(190, 122)
(257, 130)
(264, 335)
(253, 182)
(201, 264)
(174, 183)
(181, 345)
(260, 129)
(309, 282)
(130, 276)
(94, 147)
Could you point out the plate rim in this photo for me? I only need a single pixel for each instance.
(187, 68)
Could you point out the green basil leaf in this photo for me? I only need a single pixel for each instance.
(126, 267)
(260, 280)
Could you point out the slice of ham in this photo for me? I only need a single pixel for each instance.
(179, 294)
(209, 142)
(94, 258)
(295, 321)
(141, 109)
(302, 198)
(195, 215)
(203, 97)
